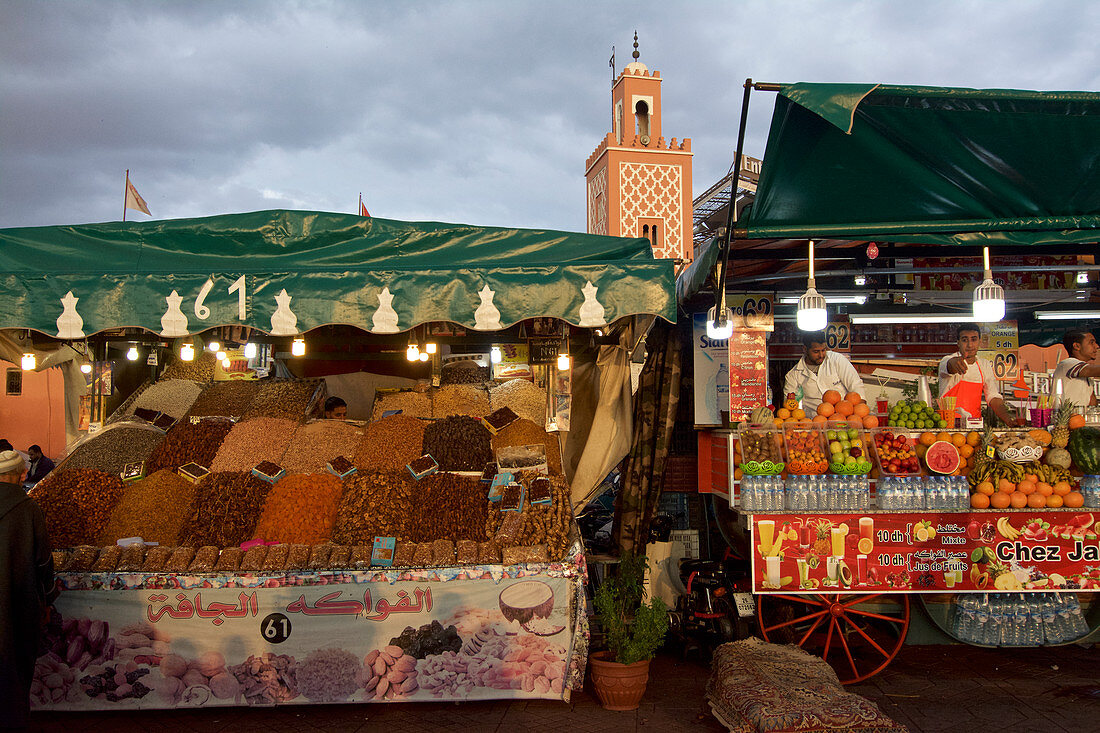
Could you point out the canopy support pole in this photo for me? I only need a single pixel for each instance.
(731, 215)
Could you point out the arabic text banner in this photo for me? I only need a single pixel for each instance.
(926, 552)
(337, 642)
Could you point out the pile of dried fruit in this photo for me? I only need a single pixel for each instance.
(301, 508)
(253, 441)
(525, 432)
(318, 442)
(77, 503)
(153, 508)
(458, 443)
(199, 370)
(113, 448)
(525, 399)
(186, 443)
(228, 399)
(390, 444)
(448, 507)
(287, 400)
(224, 510)
(373, 505)
(460, 399)
(410, 403)
(171, 396)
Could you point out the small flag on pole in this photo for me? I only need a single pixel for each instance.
(133, 199)
(362, 209)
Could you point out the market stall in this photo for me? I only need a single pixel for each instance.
(851, 507)
(428, 553)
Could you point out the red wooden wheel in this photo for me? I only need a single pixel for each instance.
(858, 634)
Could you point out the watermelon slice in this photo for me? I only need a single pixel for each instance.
(942, 457)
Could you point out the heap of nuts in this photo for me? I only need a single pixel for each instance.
(388, 674)
(459, 443)
(113, 448)
(374, 504)
(229, 399)
(524, 432)
(252, 442)
(186, 443)
(287, 400)
(77, 503)
(450, 507)
(224, 510)
(201, 369)
(390, 444)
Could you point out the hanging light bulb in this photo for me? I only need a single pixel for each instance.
(298, 348)
(495, 356)
(250, 350)
(861, 280)
(28, 362)
(214, 346)
(187, 352)
(1083, 277)
(811, 314)
(719, 327)
(132, 354)
(86, 368)
(424, 356)
(431, 347)
(989, 297)
(563, 362)
(226, 363)
(220, 355)
(412, 353)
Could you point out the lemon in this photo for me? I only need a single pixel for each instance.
(920, 534)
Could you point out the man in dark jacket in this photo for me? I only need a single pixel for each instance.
(38, 466)
(26, 589)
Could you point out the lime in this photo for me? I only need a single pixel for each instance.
(977, 554)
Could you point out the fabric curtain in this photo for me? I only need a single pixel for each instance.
(655, 406)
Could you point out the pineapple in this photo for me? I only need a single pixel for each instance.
(823, 539)
(1060, 434)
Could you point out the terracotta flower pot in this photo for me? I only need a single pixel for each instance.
(618, 686)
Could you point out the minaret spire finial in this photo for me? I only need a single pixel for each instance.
(636, 54)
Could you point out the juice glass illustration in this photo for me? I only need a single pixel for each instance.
(958, 575)
(766, 527)
(838, 541)
(867, 528)
(805, 536)
(772, 574)
(861, 568)
(949, 578)
(803, 572)
(832, 566)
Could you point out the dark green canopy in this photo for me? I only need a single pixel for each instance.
(285, 272)
(930, 165)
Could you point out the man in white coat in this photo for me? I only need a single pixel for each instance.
(818, 371)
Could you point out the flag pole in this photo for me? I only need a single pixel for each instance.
(125, 190)
(360, 211)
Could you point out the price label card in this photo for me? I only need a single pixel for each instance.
(753, 312)
(746, 607)
(838, 336)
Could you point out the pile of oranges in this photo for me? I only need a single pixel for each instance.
(850, 408)
(1031, 492)
(805, 455)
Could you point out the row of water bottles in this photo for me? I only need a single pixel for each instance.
(1090, 488)
(762, 494)
(828, 493)
(1018, 619)
(917, 492)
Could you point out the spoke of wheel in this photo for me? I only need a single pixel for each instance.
(861, 599)
(828, 639)
(798, 599)
(891, 619)
(870, 641)
(811, 630)
(847, 651)
(795, 621)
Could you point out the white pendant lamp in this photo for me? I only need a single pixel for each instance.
(719, 323)
(187, 352)
(250, 350)
(812, 315)
(28, 362)
(495, 355)
(298, 347)
(989, 297)
(132, 353)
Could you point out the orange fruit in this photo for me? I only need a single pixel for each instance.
(871, 421)
(1000, 500)
(1044, 489)
(944, 436)
(862, 410)
(966, 451)
(1074, 500)
(865, 546)
(1006, 486)
(831, 396)
(974, 438)
(986, 488)
(855, 398)
(799, 414)
(826, 409)
(1036, 501)
(782, 413)
(958, 439)
(1026, 487)
(1076, 421)
(1054, 501)
(821, 419)
(927, 438)
(1062, 488)
(845, 409)
(1018, 500)
(979, 501)
(1031, 477)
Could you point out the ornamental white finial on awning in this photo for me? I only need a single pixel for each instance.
(487, 317)
(174, 322)
(283, 320)
(385, 318)
(69, 324)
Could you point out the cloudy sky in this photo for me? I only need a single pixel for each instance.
(475, 112)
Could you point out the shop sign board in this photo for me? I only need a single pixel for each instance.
(181, 643)
(755, 311)
(1000, 344)
(748, 373)
(838, 335)
(711, 360)
(926, 552)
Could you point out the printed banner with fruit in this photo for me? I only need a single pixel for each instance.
(926, 552)
(336, 642)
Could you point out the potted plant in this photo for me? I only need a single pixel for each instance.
(633, 630)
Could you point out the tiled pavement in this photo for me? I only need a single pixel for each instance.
(931, 689)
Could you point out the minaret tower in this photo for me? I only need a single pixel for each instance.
(638, 184)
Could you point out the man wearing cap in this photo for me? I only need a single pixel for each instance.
(26, 589)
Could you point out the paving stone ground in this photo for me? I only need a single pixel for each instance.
(929, 688)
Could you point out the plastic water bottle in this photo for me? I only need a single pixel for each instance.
(1080, 627)
(986, 629)
(746, 494)
(1035, 636)
(964, 623)
(1052, 633)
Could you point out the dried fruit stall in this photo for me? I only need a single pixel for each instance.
(428, 553)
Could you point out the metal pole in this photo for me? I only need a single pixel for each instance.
(731, 216)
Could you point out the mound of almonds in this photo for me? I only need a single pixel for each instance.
(388, 674)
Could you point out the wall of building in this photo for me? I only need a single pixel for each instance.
(38, 414)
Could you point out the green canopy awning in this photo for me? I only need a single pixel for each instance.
(285, 272)
(930, 165)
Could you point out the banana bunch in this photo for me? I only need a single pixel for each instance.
(1049, 474)
(1006, 529)
(993, 471)
(774, 550)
